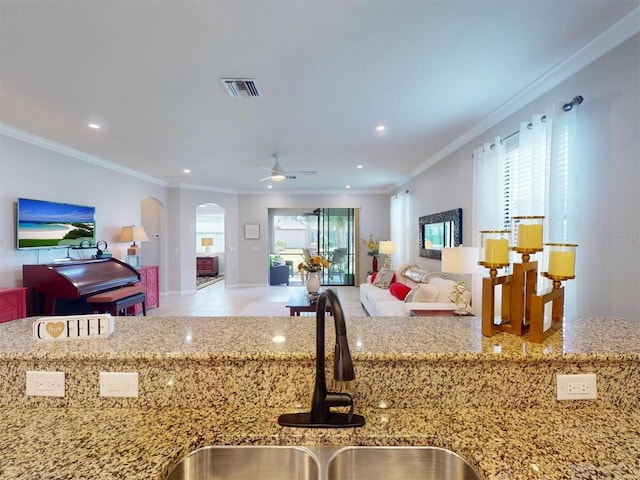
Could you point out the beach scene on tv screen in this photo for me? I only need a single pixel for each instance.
(44, 224)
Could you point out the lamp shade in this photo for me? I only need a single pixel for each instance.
(131, 233)
(206, 241)
(387, 247)
(460, 260)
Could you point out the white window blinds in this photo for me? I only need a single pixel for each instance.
(532, 172)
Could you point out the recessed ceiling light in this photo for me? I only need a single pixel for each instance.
(381, 128)
(95, 126)
(279, 339)
(347, 186)
(186, 170)
(359, 166)
(269, 186)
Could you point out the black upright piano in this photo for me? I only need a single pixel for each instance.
(62, 288)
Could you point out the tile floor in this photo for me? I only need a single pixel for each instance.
(217, 300)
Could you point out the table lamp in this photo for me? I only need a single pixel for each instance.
(460, 260)
(388, 248)
(131, 233)
(207, 243)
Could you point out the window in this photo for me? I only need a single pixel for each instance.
(531, 172)
(527, 173)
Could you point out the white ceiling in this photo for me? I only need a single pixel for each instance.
(329, 73)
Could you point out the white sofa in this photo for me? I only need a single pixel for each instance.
(430, 289)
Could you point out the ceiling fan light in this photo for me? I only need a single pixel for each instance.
(278, 177)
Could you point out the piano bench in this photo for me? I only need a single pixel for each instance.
(116, 301)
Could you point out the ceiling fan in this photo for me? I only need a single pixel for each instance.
(278, 174)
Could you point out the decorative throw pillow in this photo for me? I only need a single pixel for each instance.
(416, 274)
(384, 278)
(373, 276)
(399, 290)
(422, 293)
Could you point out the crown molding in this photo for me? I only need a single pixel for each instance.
(591, 51)
(347, 192)
(203, 188)
(41, 142)
(32, 139)
(603, 43)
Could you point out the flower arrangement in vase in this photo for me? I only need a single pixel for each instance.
(373, 245)
(313, 266)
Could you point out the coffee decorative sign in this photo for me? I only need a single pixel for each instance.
(73, 327)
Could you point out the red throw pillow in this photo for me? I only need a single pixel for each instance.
(399, 290)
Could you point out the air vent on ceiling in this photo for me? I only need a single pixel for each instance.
(241, 87)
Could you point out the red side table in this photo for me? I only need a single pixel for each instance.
(151, 280)
(13, 303)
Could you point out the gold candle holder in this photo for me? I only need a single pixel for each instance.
(560, 266)
(494, 254)
(526, 235)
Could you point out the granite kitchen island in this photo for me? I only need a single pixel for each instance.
(419, 381)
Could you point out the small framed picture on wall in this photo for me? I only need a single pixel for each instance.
(251, 231)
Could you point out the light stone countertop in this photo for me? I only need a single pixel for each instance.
(42, 439)
(105, 444)
(379, 338)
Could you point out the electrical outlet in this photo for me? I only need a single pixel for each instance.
(118, 384)
(45, 384)
(577, 387)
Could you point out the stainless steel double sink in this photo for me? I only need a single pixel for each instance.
(322, 463)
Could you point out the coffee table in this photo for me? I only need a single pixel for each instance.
(299, 302)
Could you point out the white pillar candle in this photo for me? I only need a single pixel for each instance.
(530, 236)
(496, 251)
(561, 264)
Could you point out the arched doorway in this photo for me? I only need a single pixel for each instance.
(210, 246)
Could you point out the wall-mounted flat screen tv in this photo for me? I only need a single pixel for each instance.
(42, 224)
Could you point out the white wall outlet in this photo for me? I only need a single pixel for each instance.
(577, 387)
(118, 384)
(45, 384)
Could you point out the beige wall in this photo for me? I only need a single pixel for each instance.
(374, 218)
(32, 171)
(608, 264)
(608, 270)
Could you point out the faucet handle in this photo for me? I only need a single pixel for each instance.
(334, 399)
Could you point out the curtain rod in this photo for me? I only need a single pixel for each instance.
(577, 100)
(529, 126)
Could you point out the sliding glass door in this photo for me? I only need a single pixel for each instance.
(329, 232)
(336, 244)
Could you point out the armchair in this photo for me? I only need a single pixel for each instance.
(279, 275)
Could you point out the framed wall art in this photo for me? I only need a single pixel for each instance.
(251, 231)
